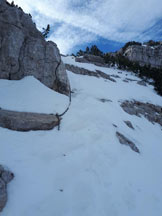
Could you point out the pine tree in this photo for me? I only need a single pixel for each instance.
(46, 31)
(87, 50)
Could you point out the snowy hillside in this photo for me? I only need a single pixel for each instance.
(83, 169)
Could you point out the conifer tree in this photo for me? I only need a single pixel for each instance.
(46, 31)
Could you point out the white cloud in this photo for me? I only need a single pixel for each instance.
(82, 21)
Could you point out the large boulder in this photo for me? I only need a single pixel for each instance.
(26, 121)
(24, 51)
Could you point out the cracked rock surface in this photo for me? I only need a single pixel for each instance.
(24, 51)
(5, 177)
(145, 55)
(150, 111)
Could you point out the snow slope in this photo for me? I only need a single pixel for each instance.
(83, 170)
(30, 95)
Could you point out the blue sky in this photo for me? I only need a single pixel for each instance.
(76, 24)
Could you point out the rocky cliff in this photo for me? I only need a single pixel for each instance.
(24, 51)
(145, 55)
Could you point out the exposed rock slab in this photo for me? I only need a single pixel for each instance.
(103, 100)
(25, 121)
(125, 141)
(150, 111)
(24, 51)
(142, 83)
(83, 71)
(5, 177)
(129, 124)
(88, 58)
(105, 76)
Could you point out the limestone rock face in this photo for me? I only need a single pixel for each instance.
(145, 55)
(24, 51)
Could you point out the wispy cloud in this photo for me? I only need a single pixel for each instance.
(77, 22)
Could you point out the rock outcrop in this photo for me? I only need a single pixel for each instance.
(5, 177)
(25, 121)
(145, 55)
(88, 58)
(24, 51)
(129, 124)
(83, 71)
(125, 141)
(150, 111)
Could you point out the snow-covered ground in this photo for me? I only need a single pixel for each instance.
(30, 95)
(83, 170)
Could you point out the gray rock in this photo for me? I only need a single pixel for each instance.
(1, 169)
(145, 55)
(83, 71)
(3, 194)
(115, 76)
(115, 125)
(129, 124)
(5, 177)
(94, 59)
(105, 76)
(125, 80)
(132, 80)
(125, 141)
(88, 58)
(150, 111)
(24, 51)
(103, 100)
(143, 83)
(24, 121)
(81, 60)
